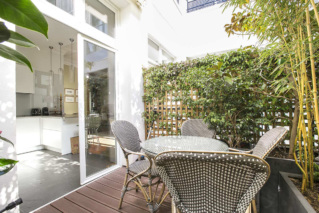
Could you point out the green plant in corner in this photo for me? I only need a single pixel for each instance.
(290, 29)
(6, 164)
(25, 14)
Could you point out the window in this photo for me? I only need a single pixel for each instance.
(157, 55)
(153, 51)
(166, 58)
(66, 5)
(100, 17)
(193, 5)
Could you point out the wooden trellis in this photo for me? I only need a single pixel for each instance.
(172, 114)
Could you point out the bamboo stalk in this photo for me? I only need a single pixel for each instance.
(315, 9)
(314, 89)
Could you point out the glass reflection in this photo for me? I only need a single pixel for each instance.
(66, 5)
(100, 17)
(99, 96)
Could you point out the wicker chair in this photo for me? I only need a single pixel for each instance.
(267, 142)
(197, 127)
(129, 141)
(212, 181)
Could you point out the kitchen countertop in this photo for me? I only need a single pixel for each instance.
(47, 116)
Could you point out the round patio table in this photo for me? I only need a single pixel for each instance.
(154, 146)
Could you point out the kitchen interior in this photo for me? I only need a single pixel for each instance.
(47, 113)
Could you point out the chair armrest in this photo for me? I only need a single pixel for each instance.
(241, 151)
(128, 152)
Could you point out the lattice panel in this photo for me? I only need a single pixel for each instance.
(172, 114)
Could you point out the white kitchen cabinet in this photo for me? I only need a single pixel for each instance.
(70, 129)
(52, 140)
(46, 132)
(57, 132)
(52, 133)
(24, 79)
(28, 134)
(52, 123)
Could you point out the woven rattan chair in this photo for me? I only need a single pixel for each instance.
(212, 181)
(129, 141)
(267, 142)
(197, 127)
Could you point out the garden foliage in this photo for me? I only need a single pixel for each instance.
(232, 93)
(290, 30)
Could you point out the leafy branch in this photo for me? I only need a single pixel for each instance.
(6, 164)
(22, 13)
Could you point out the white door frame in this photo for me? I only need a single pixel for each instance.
(80, 45)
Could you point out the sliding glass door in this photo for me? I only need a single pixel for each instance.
(98, 151)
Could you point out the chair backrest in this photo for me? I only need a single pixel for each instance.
(197, 127)
(269, 141)
(127, 135)
(212, 181)
(93, 121)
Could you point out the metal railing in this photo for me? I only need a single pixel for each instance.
(193, 5)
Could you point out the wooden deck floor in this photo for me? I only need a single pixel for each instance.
(103, 195)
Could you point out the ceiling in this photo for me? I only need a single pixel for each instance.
(58, 32)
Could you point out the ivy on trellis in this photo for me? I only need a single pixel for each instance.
(229, 91)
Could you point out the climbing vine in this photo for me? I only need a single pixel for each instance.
(229, 91)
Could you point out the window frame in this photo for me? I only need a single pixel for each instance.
(160, 53)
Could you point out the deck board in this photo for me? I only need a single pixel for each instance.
(102, 195)
(117, 184)
(48, 209)
(65, 205)
(89, 204)
(109, 201)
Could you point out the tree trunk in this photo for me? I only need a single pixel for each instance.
(293, 132)
(294, 126)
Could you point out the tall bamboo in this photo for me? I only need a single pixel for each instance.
(287, 25)
(314, 90)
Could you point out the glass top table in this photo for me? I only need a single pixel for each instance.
(154, 146)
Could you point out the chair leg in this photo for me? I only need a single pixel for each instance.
(150, 185)
(174, 208)
(123, 190)
(136, 188)
(254, 207)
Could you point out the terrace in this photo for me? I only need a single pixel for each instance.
(160, 106)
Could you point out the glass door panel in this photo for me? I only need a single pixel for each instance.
(97, 109)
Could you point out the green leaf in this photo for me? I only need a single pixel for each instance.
(6, 140)
(20, 40)
(228, 79)
(6, 165)
(6, 162)
(4, 32)
(25, 14)
(263, 86)
(11, 54)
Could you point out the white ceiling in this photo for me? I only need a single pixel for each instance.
(57, 33)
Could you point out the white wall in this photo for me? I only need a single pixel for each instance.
(8, 182)
(205, 32)
(132, 56)
(163, 26)
(192, 34)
